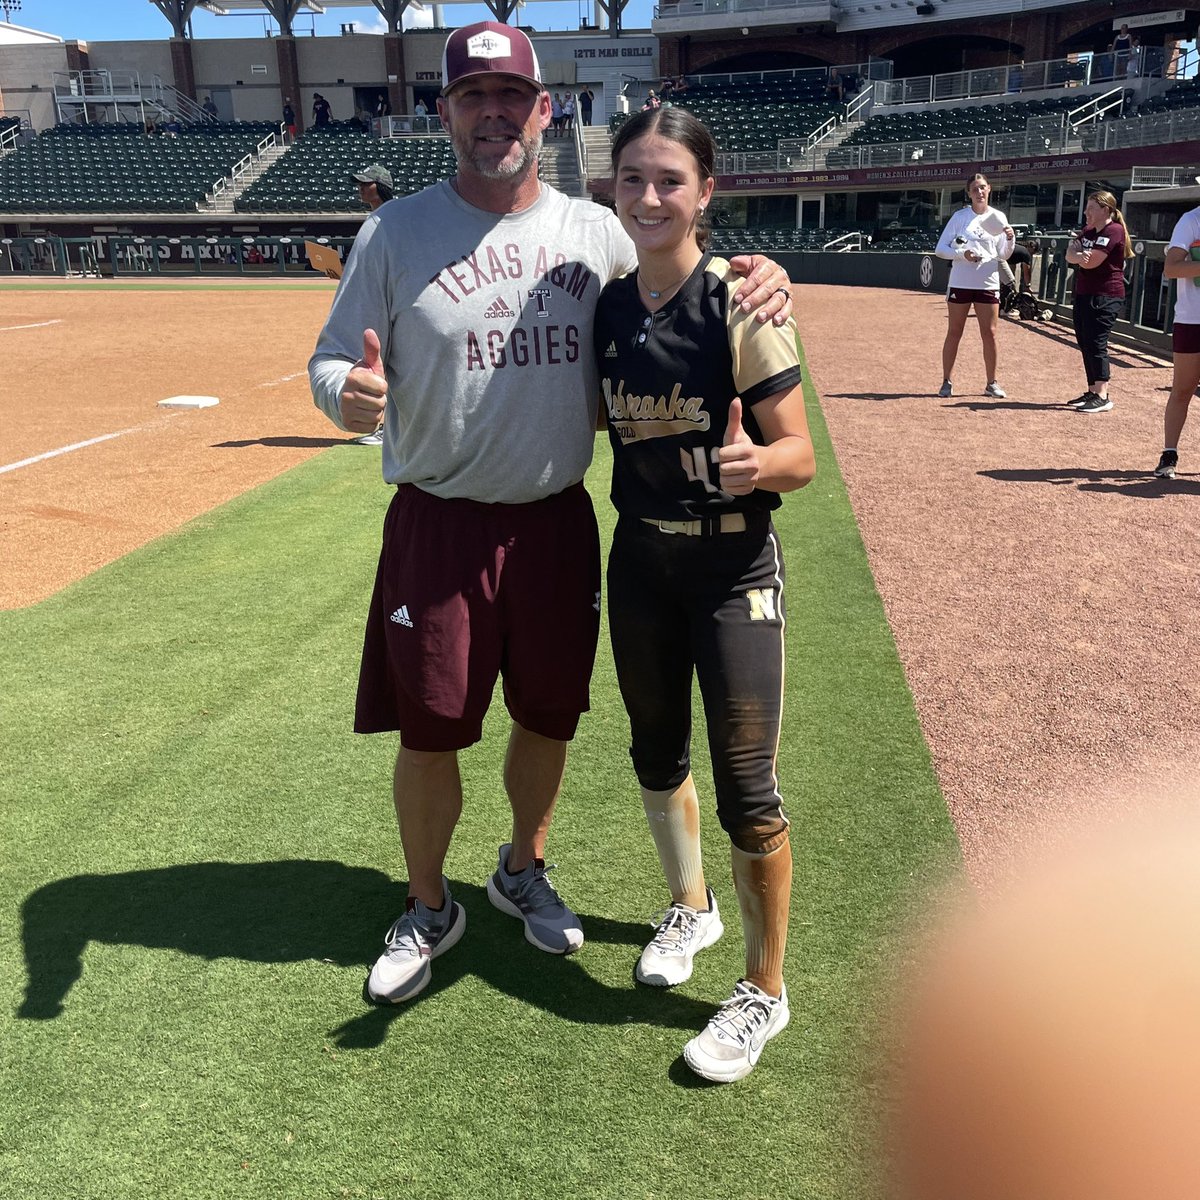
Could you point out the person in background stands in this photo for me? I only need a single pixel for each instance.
(289, 117)
(1121, 48)
(586, 99)
(209, 107)
(321, 112)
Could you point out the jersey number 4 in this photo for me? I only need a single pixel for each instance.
(695, 465)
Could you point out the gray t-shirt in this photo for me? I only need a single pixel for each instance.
(485, 322)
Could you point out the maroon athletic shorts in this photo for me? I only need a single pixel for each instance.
(467, 591)
(1185, 339)
(972, 296)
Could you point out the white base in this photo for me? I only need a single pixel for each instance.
(189, 402)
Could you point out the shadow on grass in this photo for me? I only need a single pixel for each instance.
(301, 909)
(1127, 483)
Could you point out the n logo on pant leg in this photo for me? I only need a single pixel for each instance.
(762, 604)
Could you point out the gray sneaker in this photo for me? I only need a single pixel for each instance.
(682, 932)
(994, 390)
(729, 1046)
(549, 924)
(946, 390)
(403, 970)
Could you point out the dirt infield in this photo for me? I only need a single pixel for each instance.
(82, 364)
(1039, 582)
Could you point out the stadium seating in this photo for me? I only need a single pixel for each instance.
(958, 121)
(314, 175)
(118, 168)
(750, 117)
(1179, 95)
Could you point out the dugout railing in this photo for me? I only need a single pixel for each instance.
(247, 256)
(49, 255)
(1149, 309)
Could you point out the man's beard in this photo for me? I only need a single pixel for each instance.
(467, 154)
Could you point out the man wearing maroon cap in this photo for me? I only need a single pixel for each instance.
(464, 323)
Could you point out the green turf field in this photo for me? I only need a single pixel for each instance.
(199, 861)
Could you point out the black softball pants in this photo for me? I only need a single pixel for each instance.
(711, 607)
(1094, 317)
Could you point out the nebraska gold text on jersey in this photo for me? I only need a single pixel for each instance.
(639, 417)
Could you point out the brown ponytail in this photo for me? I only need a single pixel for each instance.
(1109, 201)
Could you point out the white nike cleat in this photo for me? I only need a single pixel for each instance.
(681, 933)
(729, 1046)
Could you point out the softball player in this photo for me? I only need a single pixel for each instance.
(706, 420)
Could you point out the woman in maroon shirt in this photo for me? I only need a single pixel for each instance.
(1098, 254)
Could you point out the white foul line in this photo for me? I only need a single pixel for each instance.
(282, 379)
(104, 437)
(35, 325)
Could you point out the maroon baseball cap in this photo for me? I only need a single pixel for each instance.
(488, 48)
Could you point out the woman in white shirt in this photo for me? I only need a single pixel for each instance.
(976, 239)
(1185, 336)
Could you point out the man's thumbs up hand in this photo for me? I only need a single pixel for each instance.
(371, 360)
(364, 394)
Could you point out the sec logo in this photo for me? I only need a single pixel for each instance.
(926, 271)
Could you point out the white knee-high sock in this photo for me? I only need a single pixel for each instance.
(674, 818)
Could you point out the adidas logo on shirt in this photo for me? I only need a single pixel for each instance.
(498, 308)
(401, 617)
(611, 352)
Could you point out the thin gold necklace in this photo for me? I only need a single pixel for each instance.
(669, 288)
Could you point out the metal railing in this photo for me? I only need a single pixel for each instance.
(858, 107)
(847, 242)
(981, 148)
(230, 255)
(1163, 177)
(1053, 74)
(1160, 129)
(407, 125)
(1094, 109)
(695, 8)
(581, 151)
(1148, 314)
(236, 179)
(49, 255)
(86, 90)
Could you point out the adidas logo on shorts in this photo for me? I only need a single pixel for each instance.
(498, 308)
(611, 352)
(401, 617)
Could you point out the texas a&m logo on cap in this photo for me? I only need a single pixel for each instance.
(489, 45)
(489, 48)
